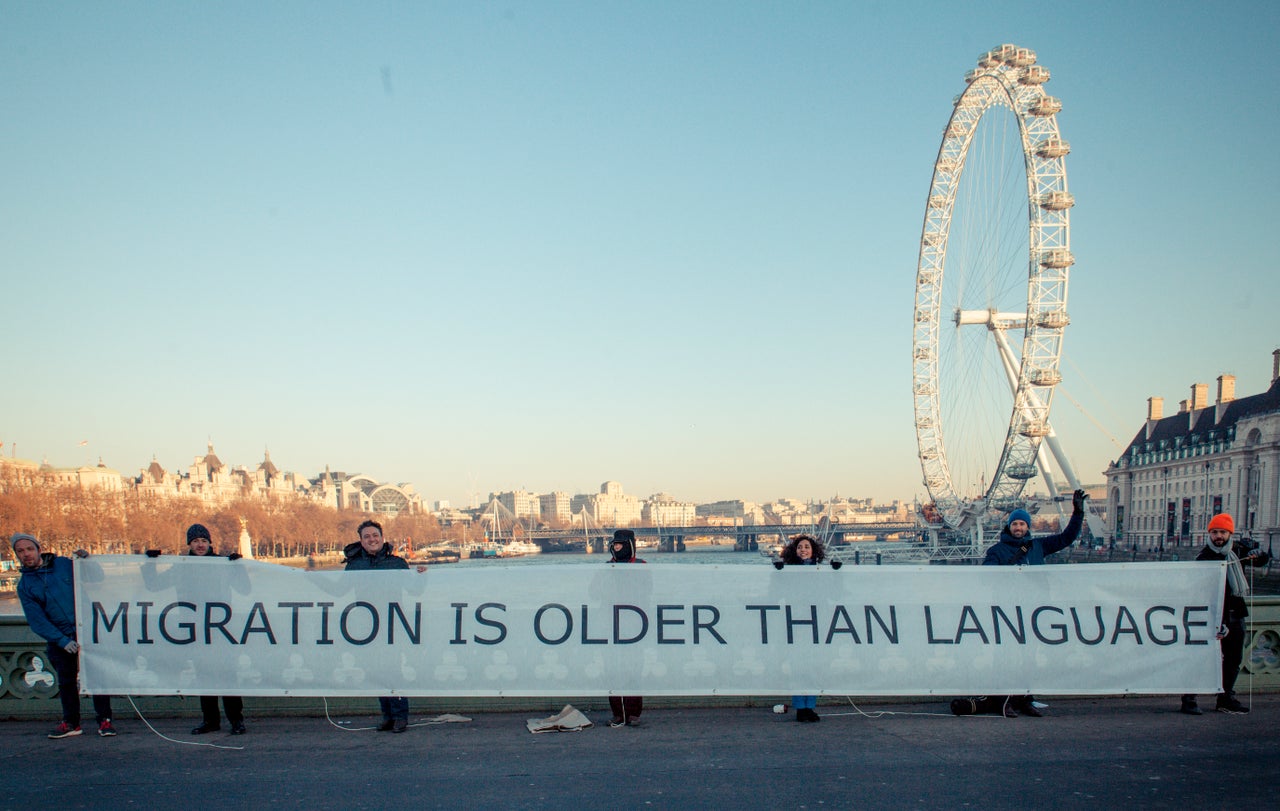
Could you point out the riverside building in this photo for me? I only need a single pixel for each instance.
(1180, 471)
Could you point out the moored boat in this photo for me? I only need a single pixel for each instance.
(514, 549)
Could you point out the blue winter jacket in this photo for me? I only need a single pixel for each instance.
(1030, 551)
(48, 598)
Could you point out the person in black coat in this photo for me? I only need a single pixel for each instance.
(626, 709)
(200, 544)
(1218, 547)
(369, 553)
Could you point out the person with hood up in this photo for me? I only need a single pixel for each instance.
(626, 709)
(370, 553)
(200, 544)
(47, 593)
(1018, 548)
(1218, 547)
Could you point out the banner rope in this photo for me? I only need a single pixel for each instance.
(1249, 689)
(428, 723)
(172, 740)
(858, 711)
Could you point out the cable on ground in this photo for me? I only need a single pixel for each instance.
(162, 736)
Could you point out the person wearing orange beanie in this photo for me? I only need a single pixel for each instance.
(1218, 547)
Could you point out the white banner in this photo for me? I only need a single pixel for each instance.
(182, 625)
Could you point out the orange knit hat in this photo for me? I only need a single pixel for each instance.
(1222, 521)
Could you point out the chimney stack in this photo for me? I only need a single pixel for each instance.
(1275, 364)
(1182, 406)
(1226, 388)
(1199, 396)
(1155, 411)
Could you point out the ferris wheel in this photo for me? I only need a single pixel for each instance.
(991, 292)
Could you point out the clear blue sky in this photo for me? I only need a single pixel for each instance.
(490, 245)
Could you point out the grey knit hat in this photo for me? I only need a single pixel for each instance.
(22, 536)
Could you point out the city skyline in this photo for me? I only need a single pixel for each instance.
(485, 247)
(347, 473)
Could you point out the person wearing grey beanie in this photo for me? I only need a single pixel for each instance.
(47, 593)
(22, 536)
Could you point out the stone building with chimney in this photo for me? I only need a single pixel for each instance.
(1210, 457)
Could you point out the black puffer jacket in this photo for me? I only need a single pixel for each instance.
(360, 560)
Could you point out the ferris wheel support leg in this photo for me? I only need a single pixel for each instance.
(1011, 370)
(1051, 439)
(1095, 523)
(1042, 459)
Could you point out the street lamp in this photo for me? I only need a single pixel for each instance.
(1168, 513)
(1206, 504)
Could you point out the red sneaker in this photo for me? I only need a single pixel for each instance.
(105, 730)
(65, 730)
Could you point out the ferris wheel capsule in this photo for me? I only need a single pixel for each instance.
(1034, 74)
(1057, 200)
(1052, 148)
(1045, 106)
(1057, 259)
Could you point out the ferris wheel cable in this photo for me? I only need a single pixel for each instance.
(998, 184)
(1119, 445)
(1102, 398)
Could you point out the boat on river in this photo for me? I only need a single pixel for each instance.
(429, 556)
(515, 549)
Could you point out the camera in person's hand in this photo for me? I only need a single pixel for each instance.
(1245, 546)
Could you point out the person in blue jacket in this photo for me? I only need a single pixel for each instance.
(1018, 548)
(47, 592)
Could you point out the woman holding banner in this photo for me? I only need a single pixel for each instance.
(804, 550)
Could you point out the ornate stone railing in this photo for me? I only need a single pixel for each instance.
(1262, 650)
(25, 676)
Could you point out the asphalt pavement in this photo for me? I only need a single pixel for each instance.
(1086, 753)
